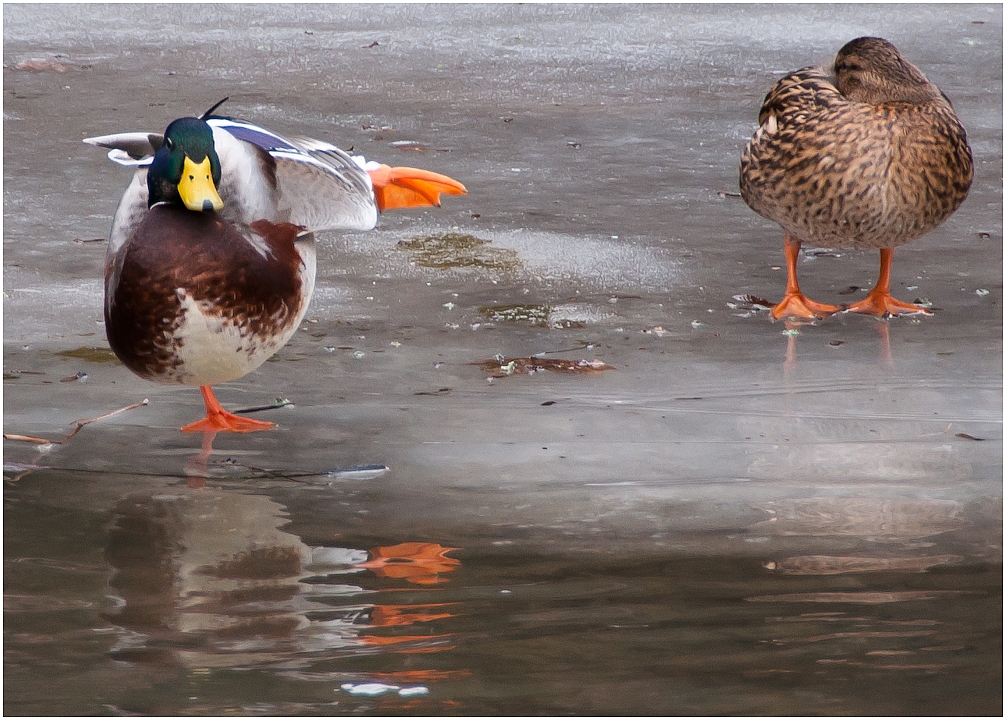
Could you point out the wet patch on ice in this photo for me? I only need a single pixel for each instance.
(458, 250)
(554, 316)
(574, 315)
(90, 354)
(602, 261)
(500, 366)
(531, 314)
(614, 264)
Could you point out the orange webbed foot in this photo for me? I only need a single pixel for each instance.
(219, 420)
(883, 305)
(405, 187)
(879, 302)
(227, 422)
(797, 305)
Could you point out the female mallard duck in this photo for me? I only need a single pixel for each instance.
(873, 157)
(211, 259)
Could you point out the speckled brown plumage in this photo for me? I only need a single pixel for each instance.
(175, 253)
(871, 157)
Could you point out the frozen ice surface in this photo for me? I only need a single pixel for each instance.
(625, 124)
(600, 148)
(723, 458)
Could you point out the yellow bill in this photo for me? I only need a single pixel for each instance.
(196, 187)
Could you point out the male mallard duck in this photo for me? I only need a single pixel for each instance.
(211, 259)
(873, 157)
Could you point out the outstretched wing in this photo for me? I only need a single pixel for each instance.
(263, 176)
(131, 149)
(319, 186)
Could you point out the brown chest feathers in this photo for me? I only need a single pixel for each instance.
(250, 281)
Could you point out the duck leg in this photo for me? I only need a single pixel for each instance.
(217, 419)
(879, 301)
(405, 187)
(795, 303)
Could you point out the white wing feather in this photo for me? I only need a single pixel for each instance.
(303, 181)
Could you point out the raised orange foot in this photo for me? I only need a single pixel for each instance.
(405, 187)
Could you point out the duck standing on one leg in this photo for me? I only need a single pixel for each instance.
(873, 157)
(211, 259)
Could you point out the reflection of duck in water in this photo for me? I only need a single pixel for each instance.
(874, 157)
(204, 574)
(211, 579)
(211, 260)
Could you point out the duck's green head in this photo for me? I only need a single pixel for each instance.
(186, 168)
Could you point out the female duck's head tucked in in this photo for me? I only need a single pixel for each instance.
(871, 156)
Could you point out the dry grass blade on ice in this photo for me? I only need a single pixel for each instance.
(78, 426)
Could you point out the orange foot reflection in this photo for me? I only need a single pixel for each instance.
(416, 562)
(417, 644)
(420, 564)
(417, 676)
(195, 468)
(394, 615)
(792, 330)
